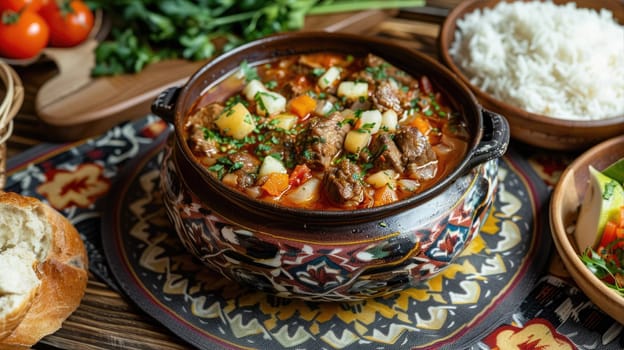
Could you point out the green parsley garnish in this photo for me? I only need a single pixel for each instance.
(249, 73)
(318, 71)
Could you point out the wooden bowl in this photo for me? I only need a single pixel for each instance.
(564, 206)
(535, 129)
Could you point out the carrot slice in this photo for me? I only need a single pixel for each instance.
(422, 124)
(384, 195)
(275, 184)
(302, 105)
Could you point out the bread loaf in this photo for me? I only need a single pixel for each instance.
(43, 270)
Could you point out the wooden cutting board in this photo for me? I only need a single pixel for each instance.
(70, 105)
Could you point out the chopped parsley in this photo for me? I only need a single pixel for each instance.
(260, 101)
(236, 165)
(378, 72)
(317, 72)
(249, 73)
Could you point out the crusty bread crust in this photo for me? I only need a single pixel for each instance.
(13, 317)
(63, 275)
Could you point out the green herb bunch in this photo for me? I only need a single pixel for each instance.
(148, 31)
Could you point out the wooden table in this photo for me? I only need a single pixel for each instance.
(107, 319)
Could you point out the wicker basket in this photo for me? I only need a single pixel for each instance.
(12, 95)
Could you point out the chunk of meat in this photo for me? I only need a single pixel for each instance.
(291, 90)
(389, 71)
(386, 96)
(386, 153)
(391, 87)
(322, 141)
(343, 186)
(360, 105)
(420, 159)
(374, 60)
(246, 166)
(309, 61)
(197, 123)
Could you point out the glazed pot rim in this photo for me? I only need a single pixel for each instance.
(473, 157)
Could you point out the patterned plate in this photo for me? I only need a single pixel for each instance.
(456, 309)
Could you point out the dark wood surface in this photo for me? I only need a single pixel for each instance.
(109, 320)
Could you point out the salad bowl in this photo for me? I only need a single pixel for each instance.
(564, 209)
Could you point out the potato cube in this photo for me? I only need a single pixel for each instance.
(271, 165)
(236, 121)
(307, 192)
(389, 120)
(356, 141)
(271, 103)
(329, 77)
(382, 178)
(353, 90)
(369, 121)
(324, 107)
(252, 88)
(285, 121)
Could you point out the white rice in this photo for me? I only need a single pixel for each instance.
(558, 60)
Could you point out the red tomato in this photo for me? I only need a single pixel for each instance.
(70, 22)
(22, 35)
(17, 5)
(614, 230)
(299, 175)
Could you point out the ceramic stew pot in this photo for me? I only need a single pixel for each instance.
(329, 255)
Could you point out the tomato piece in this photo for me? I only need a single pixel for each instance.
(22, 34)
(425, 85)
(621, 221)
(619, 235)
(70, 22)
(609, 234)
(300, 174)
(21, 5)
(609, 279)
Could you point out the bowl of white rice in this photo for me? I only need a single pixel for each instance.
(555, 69)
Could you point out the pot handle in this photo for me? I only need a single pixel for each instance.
(495, 138)
(164, 104)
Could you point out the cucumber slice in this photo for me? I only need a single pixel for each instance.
(602, 203)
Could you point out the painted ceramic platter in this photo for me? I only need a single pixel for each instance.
(455, 309)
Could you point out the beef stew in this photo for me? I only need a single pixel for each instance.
(326, 131)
